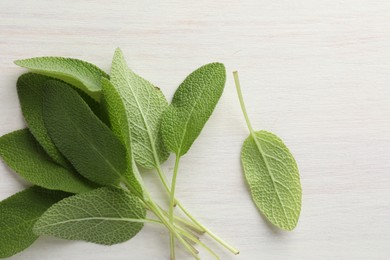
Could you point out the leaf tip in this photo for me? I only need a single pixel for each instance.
(118, 51)
(19, 63)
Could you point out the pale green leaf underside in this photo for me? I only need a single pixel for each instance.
(30, 92)
(18, 215)
(104, 216)
(273, 178)
(88, 144)
(192, 105)
(115, 112)
(81, 74)
(144, 104)
(22, 153)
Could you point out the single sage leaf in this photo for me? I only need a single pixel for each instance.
(22, 153)
(18, 215)
(193, 103)
(30, 92)
(103, 216)
(273, 178)
(89, 145)
(81, 74)
(113, 107)
(272, 174)
(144, 105)
(115, 112)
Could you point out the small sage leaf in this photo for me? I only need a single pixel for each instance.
(144, 105)
(115, 112)
(81, 74)
(89, 145)
(192, 105)
(273, 178)
(104, 216)
(272, 174)
(18, 215)
(22, 153)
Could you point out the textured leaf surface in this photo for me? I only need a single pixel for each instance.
(22, 153)
(191, 107)
(273, 178)
(81, 74)
(18, 215)
(82, 138)
(104, 216)
(144, 105)
(30, 92)
(116, 114)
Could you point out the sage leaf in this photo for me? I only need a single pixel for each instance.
(273, 178)
(21, 152)
(18, 215)
(104, 216)
(30, 92)
(81, 74)
(115, 112)
(272, 174)
(89, 145)
(144, 105)
(193, 103)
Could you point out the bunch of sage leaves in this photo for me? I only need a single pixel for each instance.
(90, 134)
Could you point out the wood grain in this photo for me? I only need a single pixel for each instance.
(316, 73)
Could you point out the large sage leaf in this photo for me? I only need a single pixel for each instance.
(191, 107)
(144, 105)
(81, 137)
(104, 216)
(30, 92)
(21, 152)
(273, 178)
(81, 74)
(115, 112)
(18, 215)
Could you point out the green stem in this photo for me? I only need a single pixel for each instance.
(172, 198)
(170, 227)
(211, 234)
(238, 87)
(151, 205)
(196, 222)
(172, 245)
(196, 240)
(184, 222)
(153, 221)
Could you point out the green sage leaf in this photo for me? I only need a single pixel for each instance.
(272, 174)
(18, 215)
(115, 111)
(192, 105)
(30, 92)
(81, 137)
(104, 216)
(273, 178)
(81, 74)
(21, 152)
(112, 106)
(144, 105)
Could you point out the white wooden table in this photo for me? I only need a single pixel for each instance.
(317, 73)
